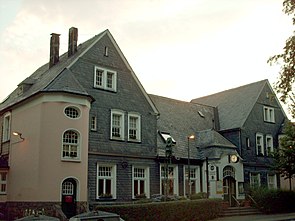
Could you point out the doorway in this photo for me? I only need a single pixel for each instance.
(68, 198)
(229, 185)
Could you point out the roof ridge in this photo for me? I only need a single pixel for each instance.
(235, 88)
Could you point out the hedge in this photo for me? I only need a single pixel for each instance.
(274, 201)
(188, 210)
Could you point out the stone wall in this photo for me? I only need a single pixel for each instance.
(15, 210)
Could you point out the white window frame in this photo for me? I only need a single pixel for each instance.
(145, 179)
(71, 114)
(259, 135)
(71, 146)
(6, 128)
(104, 79)
(192, 179)
(93, 123)
(253, 176)
(173, 178)
(112, 178)
(269, 144)
(137, 127)
(272, 182)
(269, 114)
(3, 182)
(121, 125)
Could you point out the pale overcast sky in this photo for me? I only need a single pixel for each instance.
(178, 48)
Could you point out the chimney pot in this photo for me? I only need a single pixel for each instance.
(54, 49)
(73, 41)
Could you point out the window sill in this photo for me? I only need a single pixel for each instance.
(71, 160)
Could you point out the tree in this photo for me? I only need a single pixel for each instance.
(284, 156)
(285, 83)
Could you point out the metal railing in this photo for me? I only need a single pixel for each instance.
(237, 202)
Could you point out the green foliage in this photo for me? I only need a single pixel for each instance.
(188, 210)
(284, 157)
(274, 201)
(286, 80)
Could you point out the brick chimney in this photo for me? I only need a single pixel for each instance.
(54, 49)
(73, 40)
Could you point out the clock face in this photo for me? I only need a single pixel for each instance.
(233, 158)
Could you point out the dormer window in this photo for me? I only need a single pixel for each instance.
(165, 136)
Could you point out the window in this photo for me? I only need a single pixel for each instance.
(140, 182)
(248, 144)
(67, 188)
(105, 79)
(254, 180)
(272, 181)
(169, 179)
(165, 136)
(72, 112)
(269, 114)
(117, 125)
(106, 181)
(269, 144)
(259, 145)
(3, 182)
(193, 180)
(106, 51)
(134, 127)
(93, 123)
(241, 188)
(6, 127)
(70, 148)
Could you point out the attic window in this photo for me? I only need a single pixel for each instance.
(201, 114)
(106, 51)
(166, 135)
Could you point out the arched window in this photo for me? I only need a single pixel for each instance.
(70, 148)
(228, 171)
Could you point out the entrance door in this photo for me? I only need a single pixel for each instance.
(229, 185)
(229, 188)
(69, 192)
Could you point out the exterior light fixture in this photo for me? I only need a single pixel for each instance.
(191, 137)
(15, 133)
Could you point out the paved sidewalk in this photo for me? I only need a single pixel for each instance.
(262, 217)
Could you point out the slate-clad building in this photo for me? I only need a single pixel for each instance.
(252, 118)
(81, 130)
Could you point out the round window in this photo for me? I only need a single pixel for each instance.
(72, 112)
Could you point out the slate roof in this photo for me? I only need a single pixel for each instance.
(234, 105)
(213, 145)
(181, 119)
(46, 79)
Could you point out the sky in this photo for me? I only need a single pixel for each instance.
(181, 49)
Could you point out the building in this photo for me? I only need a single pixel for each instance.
(251, 117)
(82, 130)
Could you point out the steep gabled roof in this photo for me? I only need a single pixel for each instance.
(181, 119)
(234, 105)
(44, 76)
(56, 78)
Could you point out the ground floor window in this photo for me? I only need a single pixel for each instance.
(254, 180)
(3, 182)
(192, 188)
(271, 181)
(169, 180)
(140, 182)
(106, 181)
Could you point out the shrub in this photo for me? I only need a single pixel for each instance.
(274, 201)
(189, 210)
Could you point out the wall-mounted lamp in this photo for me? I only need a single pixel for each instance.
(15, 133)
